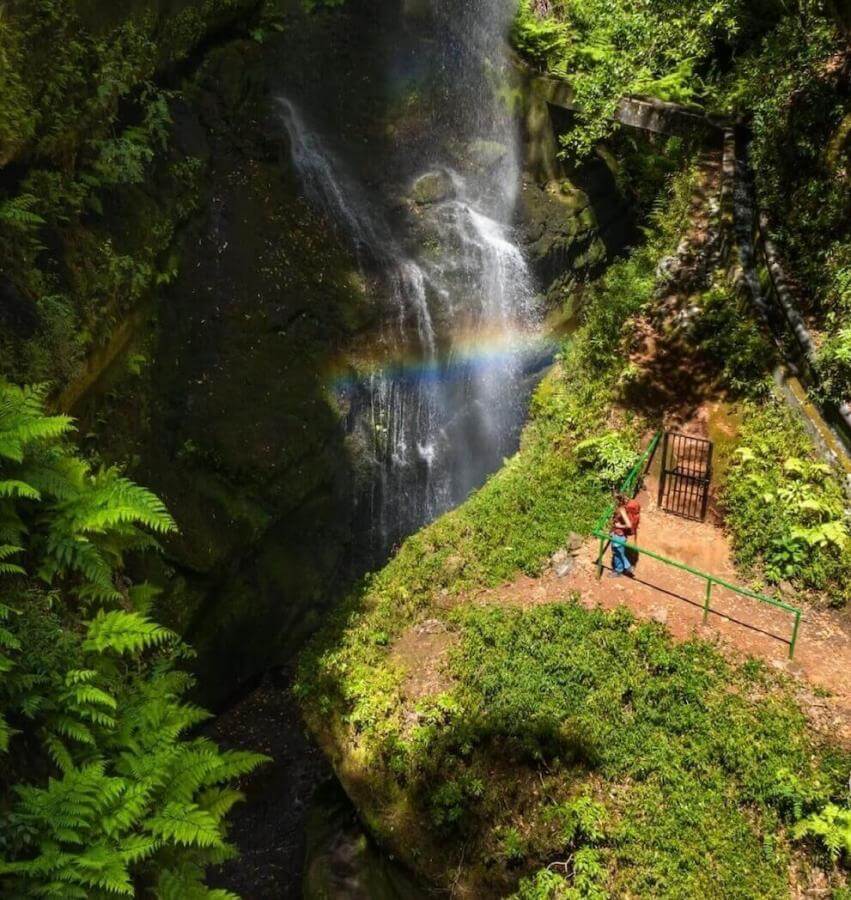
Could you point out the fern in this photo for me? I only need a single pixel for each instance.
(129, 797)
(832, 826)
(13, 488)
(23, 421)
(9, 568)
(184, 883)
(186, 824)
(124, 632)
(18, 212)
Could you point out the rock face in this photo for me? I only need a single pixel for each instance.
(231, 418)
(569, 233)
(572, 218)
(487, 154)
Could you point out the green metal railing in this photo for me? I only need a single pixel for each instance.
(629, 487)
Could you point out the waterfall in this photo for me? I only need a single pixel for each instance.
(445, 398)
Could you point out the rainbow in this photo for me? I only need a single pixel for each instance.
(475, 353)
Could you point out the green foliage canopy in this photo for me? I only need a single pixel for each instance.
(609, 50)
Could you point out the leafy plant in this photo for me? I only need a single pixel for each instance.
(582, 820)
(451, 802)
(786, 511)
(608, 456)
(512, 847)
(832, 827)
(111, 793)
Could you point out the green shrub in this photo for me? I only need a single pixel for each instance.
(832, 827)
(729, 337)
(609, 457)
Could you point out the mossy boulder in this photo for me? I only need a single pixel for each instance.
(557, 224)
(433, 187)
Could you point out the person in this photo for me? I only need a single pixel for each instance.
(622, 528)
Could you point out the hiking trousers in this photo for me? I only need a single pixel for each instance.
(620, 562)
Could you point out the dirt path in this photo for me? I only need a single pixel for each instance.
(741, 627)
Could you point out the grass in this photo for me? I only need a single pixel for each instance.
(696, 762)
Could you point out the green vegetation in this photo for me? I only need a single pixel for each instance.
(785, 510)
(575, 752)
(103, 793)
(779, 67)
(555, 751)
(684, 767)
(88, 216)
(662, 49)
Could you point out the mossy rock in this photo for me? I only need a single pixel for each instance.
(433, 187)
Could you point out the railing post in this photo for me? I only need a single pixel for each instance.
(600, 558)
(707, 600)
(794, 634)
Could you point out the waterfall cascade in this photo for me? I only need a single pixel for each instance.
(444, 401)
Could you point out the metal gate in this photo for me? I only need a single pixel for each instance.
(686, 475)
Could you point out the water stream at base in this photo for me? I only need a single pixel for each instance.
(442, 401)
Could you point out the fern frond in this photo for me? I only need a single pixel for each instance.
(14, 488)
(131, 808)
(58, 752)
(84, 694)
(186, 824)
(182, 883)
(100, 866)
(137, 847)
(142, 597)
(233, 764)
(6, 733)
(7, 568)
(18, 212)
(124, 632)
(8, 641)
(23, 420)
(73, 729)
(59, 480)
(79, 676)
(219, 801)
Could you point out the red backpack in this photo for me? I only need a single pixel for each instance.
(633, 510)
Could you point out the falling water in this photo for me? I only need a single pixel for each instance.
(445, 400)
